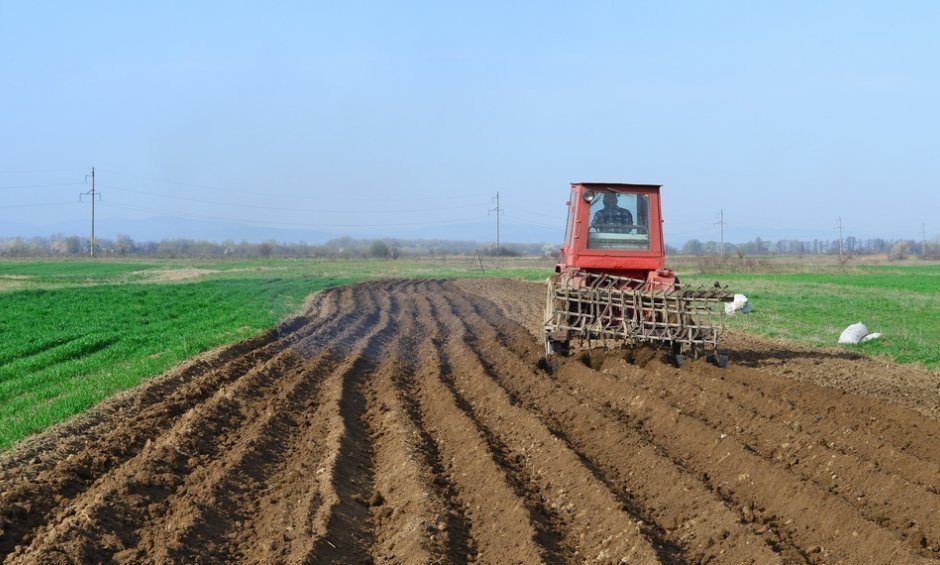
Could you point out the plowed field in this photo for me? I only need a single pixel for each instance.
(411, 422)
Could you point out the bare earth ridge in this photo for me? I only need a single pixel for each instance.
(410, 422)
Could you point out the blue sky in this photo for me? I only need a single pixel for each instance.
(405, 119)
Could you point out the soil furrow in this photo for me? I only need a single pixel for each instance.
(456, 540)
(283, 519)
(878, 491)
(845, 417)
(684, 519)
(219, 498)
(762, 490)
(841, 435)
(342, 525)
(224, 494)
(212, 502)
(408, 512)
(593, 524)
(500, 525)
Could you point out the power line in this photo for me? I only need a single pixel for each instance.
(283, 208)
(30, 186)
(39, 204)
(510, 219)
(38, 172)
(549, 216)
(175, 214)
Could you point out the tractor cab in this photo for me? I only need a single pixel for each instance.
(614, 228)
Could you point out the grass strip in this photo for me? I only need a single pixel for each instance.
(903, 303)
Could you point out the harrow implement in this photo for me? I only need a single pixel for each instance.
(593, 309)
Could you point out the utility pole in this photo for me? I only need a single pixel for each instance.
(721, 222)
(93, 194)
(497, 210)
(923, 239)
(840, 237)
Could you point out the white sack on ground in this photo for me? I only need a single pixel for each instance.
(739, 304)
(871, 336)
(854, 333)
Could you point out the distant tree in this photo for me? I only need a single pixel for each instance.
(553, 252)
(760, 246)
(933, 248)
(798, 247)
(73, 245)
(693, 247)
(378, 250)
(899, 251)
(851, 244)
(265, 249)
(58, 247)
(15, 247)
(123, 244)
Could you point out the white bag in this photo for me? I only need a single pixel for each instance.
(739, 304)
(854, 333)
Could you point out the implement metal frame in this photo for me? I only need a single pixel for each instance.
(597, 307)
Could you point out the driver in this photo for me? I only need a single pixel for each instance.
(612, 218)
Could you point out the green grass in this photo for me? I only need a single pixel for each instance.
(76, 332)
(902, 302)
(66, 349)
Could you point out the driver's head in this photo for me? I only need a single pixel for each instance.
(610, 200)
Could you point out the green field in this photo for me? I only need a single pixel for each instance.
(902, 302)
(75, 332)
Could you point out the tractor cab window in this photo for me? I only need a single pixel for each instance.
(619, 221)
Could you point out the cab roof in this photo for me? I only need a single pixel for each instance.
(614, 185)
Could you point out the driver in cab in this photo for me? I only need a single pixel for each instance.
(612, 218)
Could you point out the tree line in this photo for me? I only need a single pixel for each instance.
(391, 248)
(339, 248)
(850, 246)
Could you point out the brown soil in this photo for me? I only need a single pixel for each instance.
(412, 422)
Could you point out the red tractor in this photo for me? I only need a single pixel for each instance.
(612, 284)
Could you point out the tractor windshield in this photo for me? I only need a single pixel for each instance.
(619, 221)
